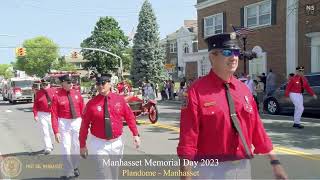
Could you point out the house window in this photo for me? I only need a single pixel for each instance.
(173, 47)
(205, 66)
(258, 14)
(186, 48)
(195, 46)
(213, 24)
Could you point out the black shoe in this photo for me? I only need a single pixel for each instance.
(76, 172)
(298, 126)
(47, 151)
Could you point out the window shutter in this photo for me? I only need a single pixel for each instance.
(224, 22)
(242, 16)
(273, 12)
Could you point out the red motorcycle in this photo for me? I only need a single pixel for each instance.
(143, 107)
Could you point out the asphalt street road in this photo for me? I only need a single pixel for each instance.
(298, 150)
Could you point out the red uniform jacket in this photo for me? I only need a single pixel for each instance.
(41, 102)
(93, 117)
(206, 128)
(61, 107)
(294, 85)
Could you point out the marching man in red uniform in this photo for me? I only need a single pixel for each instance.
(220, 119)
(67, 107)
(103, 115)
(42, 113)
(294, 90)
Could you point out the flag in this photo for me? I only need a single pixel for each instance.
(242, 30)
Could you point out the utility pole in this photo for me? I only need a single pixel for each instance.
(244, 38)
(110, 53)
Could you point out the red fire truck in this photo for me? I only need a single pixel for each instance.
(53, 78)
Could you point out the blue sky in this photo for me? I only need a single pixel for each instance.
(68, 22)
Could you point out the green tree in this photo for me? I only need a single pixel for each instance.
(5, 70)
(147, 53)
(62, 65)
(41, 52)
(127, 59)
(106, 35)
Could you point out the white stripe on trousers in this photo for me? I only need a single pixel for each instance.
(226, 170)
(101, 150)
(69, 131)
(47, 133)
(297, 100)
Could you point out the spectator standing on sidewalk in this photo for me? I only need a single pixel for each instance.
(270, 82)
(264, 81)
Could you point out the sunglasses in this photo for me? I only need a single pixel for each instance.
(230, 52)
(102, 83)
(69, 82)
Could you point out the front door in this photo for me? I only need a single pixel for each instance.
(191, 70)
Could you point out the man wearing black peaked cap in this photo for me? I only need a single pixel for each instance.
(294, 90)
(103, 115)
(42, 113)
(67, 107)
(219, 105)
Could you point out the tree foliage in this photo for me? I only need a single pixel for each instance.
(127, 59)
(62, 65)
(148, 55)
(106, 35)
(5, 70)
(41, 52)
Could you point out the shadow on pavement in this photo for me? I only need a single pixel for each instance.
(285, 135)
(155, 129)
(41, 152)
(27, 109)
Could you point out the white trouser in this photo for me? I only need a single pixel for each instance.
(47, 133)
(297, 100)
(102, 150)
(69, 130)
(226, 170)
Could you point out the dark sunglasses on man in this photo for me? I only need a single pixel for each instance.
(230, 52)
(69, 82)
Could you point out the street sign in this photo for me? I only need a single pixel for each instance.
(169, 66)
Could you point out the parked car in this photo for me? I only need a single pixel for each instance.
(276, 103)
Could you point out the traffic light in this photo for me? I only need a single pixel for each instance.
(20, 52)
(74, 55)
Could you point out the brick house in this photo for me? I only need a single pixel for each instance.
(284, 33)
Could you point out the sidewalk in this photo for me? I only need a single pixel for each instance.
(262, 115)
